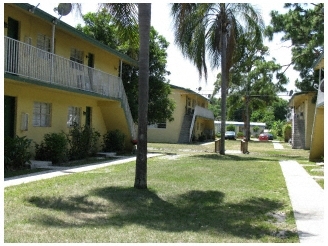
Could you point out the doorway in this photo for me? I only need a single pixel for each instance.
(88, 115)
(9, 116)
(91, 63)
(12, 46)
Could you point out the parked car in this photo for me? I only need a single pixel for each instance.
(270, 136)
(263, 137)
(230, 135)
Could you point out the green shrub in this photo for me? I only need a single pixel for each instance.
(240, 134)
(52, 148)
(201, 138)
(83, 142)
(231, 128)
(16, 152)
(287, 129)
(113, 141)
(256, 128)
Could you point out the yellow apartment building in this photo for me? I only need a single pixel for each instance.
(54, 76)
(308, 118)
(192, 119)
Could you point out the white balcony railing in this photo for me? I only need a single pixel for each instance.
(36, 64)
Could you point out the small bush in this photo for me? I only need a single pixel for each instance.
(231, 128)
(83, 142)
(17, 152)
(201, 138)
(256, 128)
(240, 135)
(53, 148)
(287, 129)
(114, 141)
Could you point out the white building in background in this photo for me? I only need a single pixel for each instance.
(239, 127)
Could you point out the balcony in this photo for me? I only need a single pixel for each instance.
(200, 112)
(30, 62)
(203, 112)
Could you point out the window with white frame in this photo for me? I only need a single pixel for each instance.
(74, 116)
(42, 114)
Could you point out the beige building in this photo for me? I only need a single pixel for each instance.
(55, 76)
(192, 119)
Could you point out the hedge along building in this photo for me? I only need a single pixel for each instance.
(192, 119)
(55, 76)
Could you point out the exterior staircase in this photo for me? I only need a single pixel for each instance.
(185, 129)
(299, 134)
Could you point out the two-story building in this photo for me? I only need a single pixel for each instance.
(192, 119)
(307, 118)
(55, 76)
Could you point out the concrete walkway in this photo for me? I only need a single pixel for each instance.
(277, 145)
(60, 171)
(307, 199)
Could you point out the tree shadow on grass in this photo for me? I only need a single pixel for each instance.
(196, 211)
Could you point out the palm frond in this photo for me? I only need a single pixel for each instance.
(125, 17)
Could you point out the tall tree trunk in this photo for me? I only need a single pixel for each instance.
(144, 17)
(223, 82)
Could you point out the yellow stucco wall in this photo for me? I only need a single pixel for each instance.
(27, 94)
(107, 115)
(317, 143)
(170, 134)
(309, 116)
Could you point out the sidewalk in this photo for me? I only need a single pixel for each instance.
(307, 199)
(60, 171)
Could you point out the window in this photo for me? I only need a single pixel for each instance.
(41, 114)
(43, 42)
(73, 116)
(27, 40)
(157, 125)
(77, 58)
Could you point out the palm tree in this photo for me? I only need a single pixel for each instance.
(125, 17)
(144, 16)
(213, 29)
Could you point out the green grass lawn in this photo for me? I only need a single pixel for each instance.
(194, 195)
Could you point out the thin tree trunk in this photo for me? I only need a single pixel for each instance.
(247, 119)
(144, 17)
